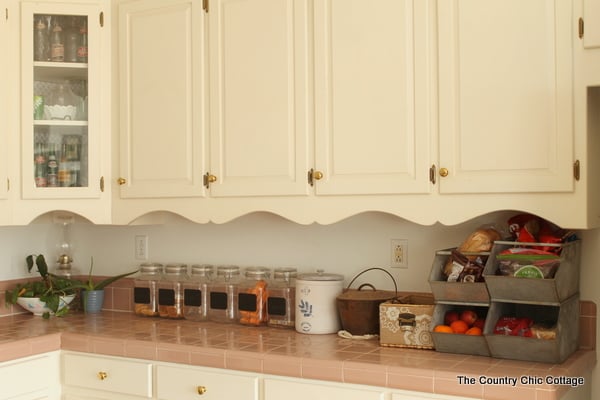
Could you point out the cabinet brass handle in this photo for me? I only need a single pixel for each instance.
(201, 390)
(317, 175)
(121, 181)
(102, 375)
(212, 179)
(443, 172)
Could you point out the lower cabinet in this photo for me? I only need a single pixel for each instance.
(96, 377)
(89, 376)
(302, 389)
(20, 381)
(187, 382)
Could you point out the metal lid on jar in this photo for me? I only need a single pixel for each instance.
(201, 270)
(176, 269)
(151, 269)
(257, 273)
(320, 275)
(285, 273)
(228, 270)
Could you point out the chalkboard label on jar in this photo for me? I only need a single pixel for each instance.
(141, 295)
(247, 302)
(218, 300)
(166, 297)
(276, 306)
(192, 297)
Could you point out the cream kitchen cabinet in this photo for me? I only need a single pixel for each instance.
(89, 376)
(505, 96)
(259, 110)
(373, 69)
(589, 27)
(175, 382)
(260, 131)
(301, 389)
(64, 146)
(6, 38)
(19, 381)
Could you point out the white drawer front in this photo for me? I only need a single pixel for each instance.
(175, 383)
(276, 389)
(109, 374)
(21, 377)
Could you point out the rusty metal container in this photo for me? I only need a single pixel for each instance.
(359, 308)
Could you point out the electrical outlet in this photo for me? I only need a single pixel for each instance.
(141, 247)
(399, 253)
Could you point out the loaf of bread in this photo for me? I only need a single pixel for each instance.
(479, 241)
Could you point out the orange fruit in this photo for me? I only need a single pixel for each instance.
(459, 326)
(443, 329)
(475, 331)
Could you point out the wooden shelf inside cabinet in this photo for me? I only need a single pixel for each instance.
(60, 70)
(59, 122)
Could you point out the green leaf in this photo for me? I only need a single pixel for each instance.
(29, 261)
(40, 261)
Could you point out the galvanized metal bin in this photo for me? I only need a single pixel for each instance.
(454, 342)
(532, 349)
(475, 293)
(533, 290)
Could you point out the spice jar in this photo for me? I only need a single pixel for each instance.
(170, 291)
(252, 296)
(145, 291)
(222, 294)
(195, 293)
(281, 310)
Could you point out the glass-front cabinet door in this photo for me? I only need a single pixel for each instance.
(60, 101)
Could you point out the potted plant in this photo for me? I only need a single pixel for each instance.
(92, 293)
(50, 295)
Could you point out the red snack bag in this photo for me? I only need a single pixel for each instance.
(513, 326)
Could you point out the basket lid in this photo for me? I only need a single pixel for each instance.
(366, 295)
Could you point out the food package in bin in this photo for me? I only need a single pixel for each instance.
(527, 263)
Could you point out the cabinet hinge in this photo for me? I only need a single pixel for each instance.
(6, 13)
(102, 184)
(7, 184)
(101, 19)
(432, 174)
(576, 170)
(581, 28)
(205, 5)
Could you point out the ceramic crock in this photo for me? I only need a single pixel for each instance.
(316, 311)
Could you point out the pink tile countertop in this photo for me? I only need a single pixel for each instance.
(281, 352)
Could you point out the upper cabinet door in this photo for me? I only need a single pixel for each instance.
(372, 96)
(591, 19)
(260, 97)
(505, 96)
(62, 88)
(4, 103)
(163, 103)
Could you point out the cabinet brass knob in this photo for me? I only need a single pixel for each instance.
(121, 181)
(317, 175)
(201, 390)
(102, 375)
(443, 172)
(212, 179)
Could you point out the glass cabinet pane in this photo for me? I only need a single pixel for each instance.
(60, 99)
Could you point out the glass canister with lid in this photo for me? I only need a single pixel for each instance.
(281, 310)
(195, 293)
(252, 296)
(145, 291)
(170, 291)
(223, 294)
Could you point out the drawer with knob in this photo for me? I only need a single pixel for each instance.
(201, 383)
(111, 374)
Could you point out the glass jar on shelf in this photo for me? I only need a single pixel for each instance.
(281, 298)
(170, 291)
(222, 294)
(195, 293)
(252, 296)
(145, 291)
(61, 103)
(41, 42)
